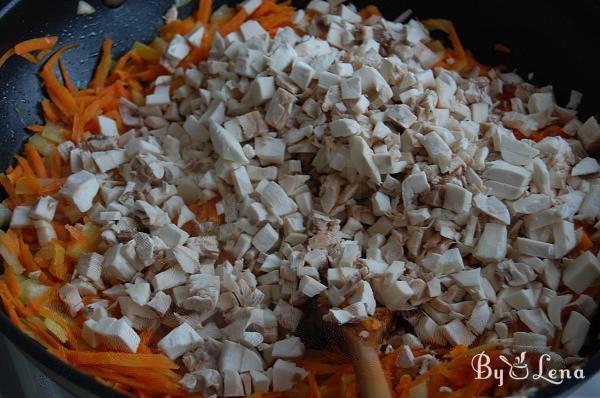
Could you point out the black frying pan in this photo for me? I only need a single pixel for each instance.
(557, 41)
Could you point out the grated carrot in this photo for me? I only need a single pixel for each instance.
(7, 54)
(66, 77)
(234, 23)
(95, 358)
(585, 243)
(204, 10)
(12, 282)
(59, 94)
(36, 161)
(103, 66)
(37, 44)
(29, 58)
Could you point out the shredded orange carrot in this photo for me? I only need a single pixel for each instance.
(11, 311)
(29, 57)
(502, 48)
(234, 23)
(42, 54)
(35, 128)
(36, 161)
(96, 358)
(11, 281)
(7, 54)
(40, 43)
(204, 10)
(103, 66)
(51, 113)
(59, 94)
(66, 77)
(585, 243)
(368, 11)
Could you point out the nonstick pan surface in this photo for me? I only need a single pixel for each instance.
(555, 41)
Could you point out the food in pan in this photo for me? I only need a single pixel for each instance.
(169, 224)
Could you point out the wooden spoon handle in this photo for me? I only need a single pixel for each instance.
(369, 373)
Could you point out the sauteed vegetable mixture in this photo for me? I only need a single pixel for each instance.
(168, 224)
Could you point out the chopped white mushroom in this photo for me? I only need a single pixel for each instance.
(575, 333)
(581, 272)
(331, 160)
(81, 188)
(179, 341)
(585, 166)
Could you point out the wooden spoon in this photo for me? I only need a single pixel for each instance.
(354, 340)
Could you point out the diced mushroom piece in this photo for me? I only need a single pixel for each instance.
(344, 128)
(269, 149)
(395, 295)
(176, 50)
(20, 217)
(260, 90)
(457, 198)
(361, 156)
(492, 245)
(492, 206)
(275, 199)
(590, 208)
(302, 74)
(381, 204)
(179, 341)
(226, 145)
(44, 209)
(564, 238)
(537, 321)
(288, 316)
(89, 266)
(405, 358)
(555, 306)
(260, 381)
(575, 333)
(280, 109)
(116, 334)
(286, 374)
(506, 173)
(265, 238)
(310, 287)
(109, 160)
(171, 235)
(116, 265)
(161, 302)
(290, 348)
(69, 294)
(413, 185)
(480, 316)
(195, 36)
(589, 134)
(45, 232)
(363, 294)
(531, 247)
(108, 127)
(81, 188)
(582, 272)
(232, 384)
(168, 279)
(457, 333)
(585, 166)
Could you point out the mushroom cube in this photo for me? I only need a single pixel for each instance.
(116, 334)
(81, 188)
(179, 341)
(457, 198)
(44, 209)
(582, 272)
(492, 245)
